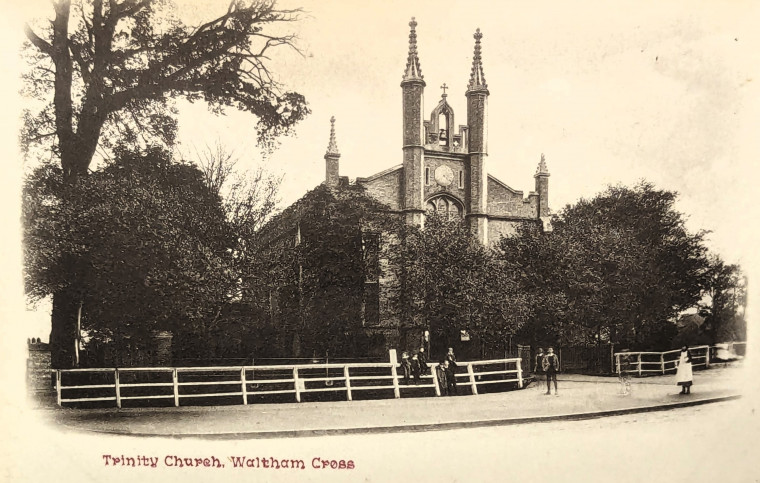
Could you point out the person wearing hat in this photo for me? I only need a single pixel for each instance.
(550, 365)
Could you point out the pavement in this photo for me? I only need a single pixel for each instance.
(580, 397)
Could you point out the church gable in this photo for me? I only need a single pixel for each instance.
(505, 201)
(385, 187)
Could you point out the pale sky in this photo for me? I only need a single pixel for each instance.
(609, 91)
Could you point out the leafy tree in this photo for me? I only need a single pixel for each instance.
(726, 293)
(154, 238)
(618, 267)
(106, 73)
(451, 282)
(311, 267)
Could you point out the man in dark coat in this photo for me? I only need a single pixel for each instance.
(406, 366)
(451, 369)
(550, 365)
(441, 372)
(538, 370)
(416, 369)
(423, 361)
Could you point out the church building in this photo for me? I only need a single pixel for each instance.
(444, 166)
(443, 170)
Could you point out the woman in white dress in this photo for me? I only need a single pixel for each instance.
(683, 374)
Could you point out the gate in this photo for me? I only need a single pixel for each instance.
(592, 359)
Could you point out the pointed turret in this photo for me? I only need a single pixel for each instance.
(477, 141)
(477, 77)
(542, 187)
(413, 71)
(542, 170)
(332, 158)
(413, 89)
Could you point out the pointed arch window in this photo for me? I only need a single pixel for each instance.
(445, 206)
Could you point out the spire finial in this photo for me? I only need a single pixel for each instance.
(413, 71)
(542, 169)
(477, 77)
(332, 148)
(444, 87)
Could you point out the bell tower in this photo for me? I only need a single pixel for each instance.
(413, 88)
(477, 123)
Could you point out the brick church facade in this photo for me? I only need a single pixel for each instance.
(443, 170)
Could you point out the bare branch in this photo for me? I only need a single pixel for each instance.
(37, 41)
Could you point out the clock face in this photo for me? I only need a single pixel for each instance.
(444, 175)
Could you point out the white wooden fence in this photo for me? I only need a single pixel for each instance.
(254, 383)
(643, 363)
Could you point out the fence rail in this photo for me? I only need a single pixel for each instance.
(643, 363)
(255, 383)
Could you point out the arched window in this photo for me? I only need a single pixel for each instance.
(445, 206)
(443, 129)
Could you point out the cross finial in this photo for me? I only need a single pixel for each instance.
(444, 87)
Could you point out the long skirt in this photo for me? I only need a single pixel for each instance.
(683, 374)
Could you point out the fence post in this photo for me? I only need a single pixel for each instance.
(617, 363)
(519, 374)
(175, 383)
(346, 374)
(243, 385)
(296, 384)
(472, 379)
(434, 373)
(394, 373)
(662, 361)
(639, 361)
(116, 386)
(58, 385)
(707, 357)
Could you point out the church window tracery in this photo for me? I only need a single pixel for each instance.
(446, 206)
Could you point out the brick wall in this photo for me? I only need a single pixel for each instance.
(386, 188)
(502, 201)
(38, 368)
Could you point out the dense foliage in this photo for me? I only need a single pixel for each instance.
(105, 74)
(452, 283)
(149, 239)
(619, 268)
(311, 271)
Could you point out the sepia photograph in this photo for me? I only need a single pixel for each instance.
(301, 240)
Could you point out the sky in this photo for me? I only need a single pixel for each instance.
(610, 92)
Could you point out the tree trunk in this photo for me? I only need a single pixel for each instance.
(63, 333)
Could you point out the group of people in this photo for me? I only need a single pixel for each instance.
(445, 372)
(547, 364)
(414, 366)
